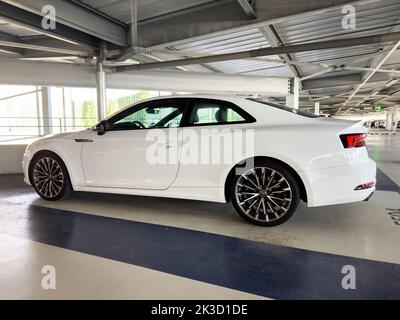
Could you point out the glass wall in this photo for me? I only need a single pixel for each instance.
(19, 111)
(71, 109)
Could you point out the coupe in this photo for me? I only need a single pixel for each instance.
(261, 156)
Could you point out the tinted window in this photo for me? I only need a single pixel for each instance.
(155, 114)
(214, 112)
(286, 108)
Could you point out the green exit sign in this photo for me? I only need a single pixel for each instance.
(378, 107)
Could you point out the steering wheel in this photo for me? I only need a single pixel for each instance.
(139, 124)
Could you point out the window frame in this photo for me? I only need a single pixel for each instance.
(285, 108)
(191, 102)
(147, 104)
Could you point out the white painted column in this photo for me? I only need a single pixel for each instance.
(389, 120)
(101, 92)
(46, 111)
(396, 119)
(292, 100)
(316, 108)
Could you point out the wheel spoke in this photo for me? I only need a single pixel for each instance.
(251, 206)
(272, 209)
(263, 176)
(246, 186)
(248, 199)
(257, 180)
(41, 165)
(274, 203)
(248, 179)
(280, 199)
(277, 184)
(263, 194)
(242, 193)
(48, 177)
(265, 210)
(271, 177)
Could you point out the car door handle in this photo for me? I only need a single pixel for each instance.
(83, 140)
(170, 145)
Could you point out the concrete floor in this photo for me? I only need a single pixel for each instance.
(128, 247)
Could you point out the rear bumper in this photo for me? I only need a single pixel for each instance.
(336, 185)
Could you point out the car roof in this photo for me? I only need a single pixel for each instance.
(203, 96)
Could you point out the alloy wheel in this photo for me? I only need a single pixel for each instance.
(48, 177)
(263, 194)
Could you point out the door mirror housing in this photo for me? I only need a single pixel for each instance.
(102, 127)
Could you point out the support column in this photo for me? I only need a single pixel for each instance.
(292, 100)
(316, 108)
(134, 20)
(46, 111)
(395, 119)
(389, 120)
(101, 91)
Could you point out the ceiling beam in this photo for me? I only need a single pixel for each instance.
(224, 16)
(270, 34)
(73, 22)
(14, 44)
(339, 43)
(369, 76)
(8, 37)
(248, 8)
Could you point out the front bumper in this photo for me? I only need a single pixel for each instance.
(25, 168)
(336, 185)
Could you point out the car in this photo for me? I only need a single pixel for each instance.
(164, 147)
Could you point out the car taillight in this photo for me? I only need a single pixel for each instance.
(353, 140)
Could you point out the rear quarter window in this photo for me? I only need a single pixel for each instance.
(285, 108)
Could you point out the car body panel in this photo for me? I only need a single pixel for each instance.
(310, 146)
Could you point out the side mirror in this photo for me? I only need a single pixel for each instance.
(102, 127)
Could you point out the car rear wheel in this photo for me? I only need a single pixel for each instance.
(266, 194)
(49, 176)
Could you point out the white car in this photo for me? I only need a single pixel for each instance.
(171, 147)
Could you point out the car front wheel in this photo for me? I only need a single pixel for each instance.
(49, 176)
(266, 194)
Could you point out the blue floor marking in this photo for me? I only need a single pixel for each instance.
(384, 182)
(259, 268)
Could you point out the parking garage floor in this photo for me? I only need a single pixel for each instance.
(128, 247)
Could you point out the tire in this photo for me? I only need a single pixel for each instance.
(49, 176)
(261, 206)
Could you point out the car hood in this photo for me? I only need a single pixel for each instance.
(64, 135)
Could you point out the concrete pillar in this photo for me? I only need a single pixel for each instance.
(316, 108)
(292, 100)
(101, 91)
(389, 120)
(396, 119)
(46, 111)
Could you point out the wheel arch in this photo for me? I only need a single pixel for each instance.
(38, 153)
(231, 174)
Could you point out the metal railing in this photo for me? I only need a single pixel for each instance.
(30, 127)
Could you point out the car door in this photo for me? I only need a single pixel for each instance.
(131, 152)
(213, 140)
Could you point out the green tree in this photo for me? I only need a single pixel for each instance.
(89, 117)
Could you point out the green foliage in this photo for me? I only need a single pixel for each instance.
(89, 116)
(89, 113)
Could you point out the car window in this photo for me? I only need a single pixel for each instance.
(162, 114)
(285, 108)
(213, 112)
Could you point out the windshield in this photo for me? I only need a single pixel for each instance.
(286, 108)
